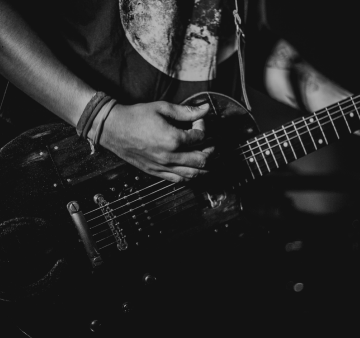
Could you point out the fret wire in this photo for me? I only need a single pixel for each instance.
(259, 146)
(344, 118)
(287, 136)
(355, 107)
(322, 131)
(324, 110)
(291, 138)
(310, 133)
(280, 147)
(253, 156)
(246, 160)
(262, 153)
(332, 122)
(266, 138)
(298, 135)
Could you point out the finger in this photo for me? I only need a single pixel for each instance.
(194, 159)
(171, 177)
(188, 173)
(199, 124)
(191, 137)
(187, 113)
(209, 151)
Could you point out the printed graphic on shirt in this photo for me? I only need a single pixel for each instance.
(154, 28)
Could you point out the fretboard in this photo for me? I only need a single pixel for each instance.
(300, 137)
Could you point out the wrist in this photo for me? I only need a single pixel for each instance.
(102, 125)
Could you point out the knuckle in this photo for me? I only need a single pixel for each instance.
(173, 141)
(177, 179)
(202, 163)
(190, 108)
(163, 106)
(163, 159)
(191, 174)
(194, 174)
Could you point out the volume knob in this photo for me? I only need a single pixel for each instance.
(149, 279)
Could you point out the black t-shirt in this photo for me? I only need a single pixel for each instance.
(142, 51)
(136, 51)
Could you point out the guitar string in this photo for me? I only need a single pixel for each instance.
(127, 196)
(188, 192)
(317, 127)
(135, 208)
(281, 133)
(147, 227)
(245, 158)
(128, 203)
(145, 204)
(157, 207)
(319, 112)
(270, 160)
(300, 121)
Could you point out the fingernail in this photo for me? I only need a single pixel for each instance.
(204, 106)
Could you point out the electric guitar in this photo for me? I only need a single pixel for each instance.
(79, 230)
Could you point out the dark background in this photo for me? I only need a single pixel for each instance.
(293, 268)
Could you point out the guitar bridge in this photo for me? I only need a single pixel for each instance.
(114, 225)
(84, 232)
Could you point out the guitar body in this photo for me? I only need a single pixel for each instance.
(82, 236)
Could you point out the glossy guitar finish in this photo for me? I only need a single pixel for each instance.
(47, 176)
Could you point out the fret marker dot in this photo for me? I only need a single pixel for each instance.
(267, 152)
(351, 114)
(311, 120)
(251, 159)
(285, 144)
(321, 141)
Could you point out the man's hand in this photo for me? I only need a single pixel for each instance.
(145, 136)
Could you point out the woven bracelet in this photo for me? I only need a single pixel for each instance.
(104, 114)
(93, 115)
(90, 113)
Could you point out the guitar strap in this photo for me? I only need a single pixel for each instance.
(240, 40)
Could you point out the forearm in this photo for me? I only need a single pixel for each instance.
(29, 64)
(286, 72)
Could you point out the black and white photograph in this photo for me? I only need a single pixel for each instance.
(179, 168)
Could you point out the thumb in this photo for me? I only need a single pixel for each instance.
(189, 113)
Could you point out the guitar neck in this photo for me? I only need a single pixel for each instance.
(300, 137)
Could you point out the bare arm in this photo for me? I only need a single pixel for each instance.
(315, 91)
(140, 134)
(30, 65)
